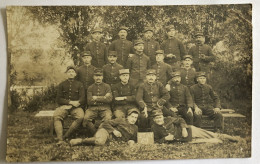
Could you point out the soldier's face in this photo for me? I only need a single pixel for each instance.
(148, 34)
(176, 79)
(124, 78)
(159, 57)
(159, 120)
(98, 78)
(151, 78)
(112, 59)
(201, 80)
(122, 34)
(132, 118)
(200, 39)
(87, 59)
(97, 36)
(139, 47)
(187, 62)
(71, 73)
(171, 33)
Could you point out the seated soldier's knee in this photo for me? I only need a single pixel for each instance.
(100, 142)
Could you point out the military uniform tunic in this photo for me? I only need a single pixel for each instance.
(85, 75)
(188, 76)
(98, 52)
(150, 48)
(111, 73)
(163, 72)
(123, 49)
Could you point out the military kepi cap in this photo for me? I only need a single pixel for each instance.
(148, 28)
(124, 71)
(159, 52)
(98, 72)
(175, 74)
(198, 33)
(86, 53)
(168, 28)
(138, 41)
(123, 28)
(71, 67)
(187, 56)
(157, 113)
(199, 74)
(112, 53)
(132, 110)
(151, 71)
(97, 29)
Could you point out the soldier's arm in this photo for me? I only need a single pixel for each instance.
(81, 94)
(169, 72)
(134, 136)
(182, 49)
(209, 57)
(132, 97)
(112, 46)
(165, 96)
(189, 100)
(129, 64)
(110, 125)
(157, 46)
(139, 97)
(108, 96)
(104, 74)
(159, 137)
(90, 99)
(60, 100)
(178, 121)
(214, 97)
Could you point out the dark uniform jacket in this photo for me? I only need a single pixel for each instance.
(70, 90)
(175, 47)
(103, 90)
(123, 49)
(188, 76)
(128, 131)
(163, 72)
(172, 125)
(149, 94)
(128, 91)
(199, 63)
(98, 52)
(150, 47)
(85, 75)
(138, 65)
(180, 96)
(111, 73)
(203, 95)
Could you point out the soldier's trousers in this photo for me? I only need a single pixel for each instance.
(120, 111)
(60, 114)
(188, 117)
(217, 117)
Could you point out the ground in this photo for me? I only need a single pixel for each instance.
(28, 140)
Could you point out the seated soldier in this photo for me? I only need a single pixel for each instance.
(99, 97)
(180, 101)
(111, 70)
(124, 95)
(203, 95)
(70, 96)
(151, 95)
(169, 129)
(123, 129)
(163, 70)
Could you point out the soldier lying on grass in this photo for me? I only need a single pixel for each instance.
(169, 129)
(123, 129)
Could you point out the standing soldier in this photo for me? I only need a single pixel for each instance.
(97, 49)
(150, 45)
(86, 71)
(124, 95)
(163, 70)
(111, 70)
(201, 53)
(188, 74)
(151, 95)
(99, 97)
(138, 64)
(181, 100)
(122, 46)
(203, 94)
(173, 48)
(70, 96)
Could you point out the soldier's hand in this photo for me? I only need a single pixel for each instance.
(202, 56)
(174, 109)
(198, 111)
(216, 110)
(94, 97)
(130, 55)
(117, 133)
(145, 112)
(190, 111)
(184, 132)
(76, 104)
(168, 87)
(119, 98)
(170, 137)
(131, 142)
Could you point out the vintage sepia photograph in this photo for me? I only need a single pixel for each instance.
(119, 83)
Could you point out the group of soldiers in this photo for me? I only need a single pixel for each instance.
(139, 87)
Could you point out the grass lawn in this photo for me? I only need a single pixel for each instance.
(28, 140)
